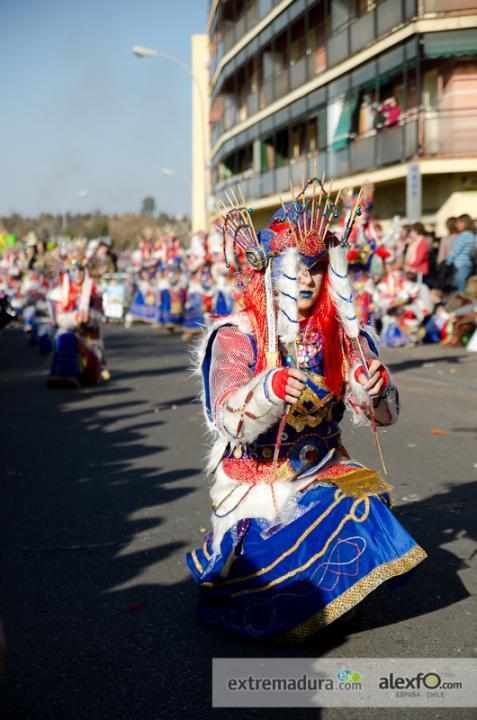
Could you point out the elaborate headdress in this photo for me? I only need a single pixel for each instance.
(300, 231)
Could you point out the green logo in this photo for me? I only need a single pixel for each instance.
(347, 675)
(432, 680)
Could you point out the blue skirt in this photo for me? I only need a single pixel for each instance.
(194, 312)
(286, 582)
(141, 310)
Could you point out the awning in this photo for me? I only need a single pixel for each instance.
(341, 138)
(450, 44)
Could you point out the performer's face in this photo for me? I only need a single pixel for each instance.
(309, 286)
(77, 275)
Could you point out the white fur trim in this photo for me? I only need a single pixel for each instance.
(266, 411)
(199, 349)
(341, 291)
(272, 346)
(218, 441)
(257, 504)
(67, 320)
(288, 296)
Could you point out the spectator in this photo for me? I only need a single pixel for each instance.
(418, 250)
(379, 116)
(447, 242)
(463, 307)
(391, 112)
(463, 251)
(401, 247)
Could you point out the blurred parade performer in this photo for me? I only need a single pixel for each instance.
(365, 238)
(223, 290)
(367, 249)
(147, 263)
(101, 259)
(172, 288)
(301, 532)
(402, 304)
(145, 303)
(197, 302)
(195, 305)
(223, 296)
(78, 353)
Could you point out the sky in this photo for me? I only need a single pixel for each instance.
(78, 111)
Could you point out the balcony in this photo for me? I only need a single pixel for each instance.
(326, 52)
(235, 29)
(444, 134)
(450, 133)
(437, 6)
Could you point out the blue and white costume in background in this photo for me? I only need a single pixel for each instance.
(223, 300)
(145, 305)
(194, 318)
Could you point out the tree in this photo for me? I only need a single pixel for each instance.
(148, 206)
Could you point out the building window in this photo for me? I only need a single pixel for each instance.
(299, 140)
(266, 73)
(280, 60)
(268, 154)
(316, 40)
(342, 12)
(282, 147)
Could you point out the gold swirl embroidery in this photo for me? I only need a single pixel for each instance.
(350, 516)
(353, 595)
(196, 562)
(338, 497)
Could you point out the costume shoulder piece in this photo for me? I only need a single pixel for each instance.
(202, 354)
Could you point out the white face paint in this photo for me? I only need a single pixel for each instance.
(309, 286)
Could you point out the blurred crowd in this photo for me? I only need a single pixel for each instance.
(409, 285)
(416, 288)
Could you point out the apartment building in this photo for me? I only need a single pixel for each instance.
(373, 91)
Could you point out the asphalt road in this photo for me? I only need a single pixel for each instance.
(102, 494)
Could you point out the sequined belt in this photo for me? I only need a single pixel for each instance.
(305, 449)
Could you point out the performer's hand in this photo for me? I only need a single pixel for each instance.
(377, 380)
(295, 385)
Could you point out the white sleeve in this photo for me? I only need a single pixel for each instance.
(243, 404)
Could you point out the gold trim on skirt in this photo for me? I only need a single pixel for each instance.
(353, 595)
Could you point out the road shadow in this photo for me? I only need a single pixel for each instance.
(455, 357)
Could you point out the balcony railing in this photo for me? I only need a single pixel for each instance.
(236, 30)
(444, 134)
(330, 51)
(450, 133)
(431, 6)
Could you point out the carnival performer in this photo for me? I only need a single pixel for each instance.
(78, 353)
(301, 532)
(223, 296)
(196, 304)
(367, 254)
(145, 306)
(404, 309)
(365, 238)
(172, 294)
(198, 276)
